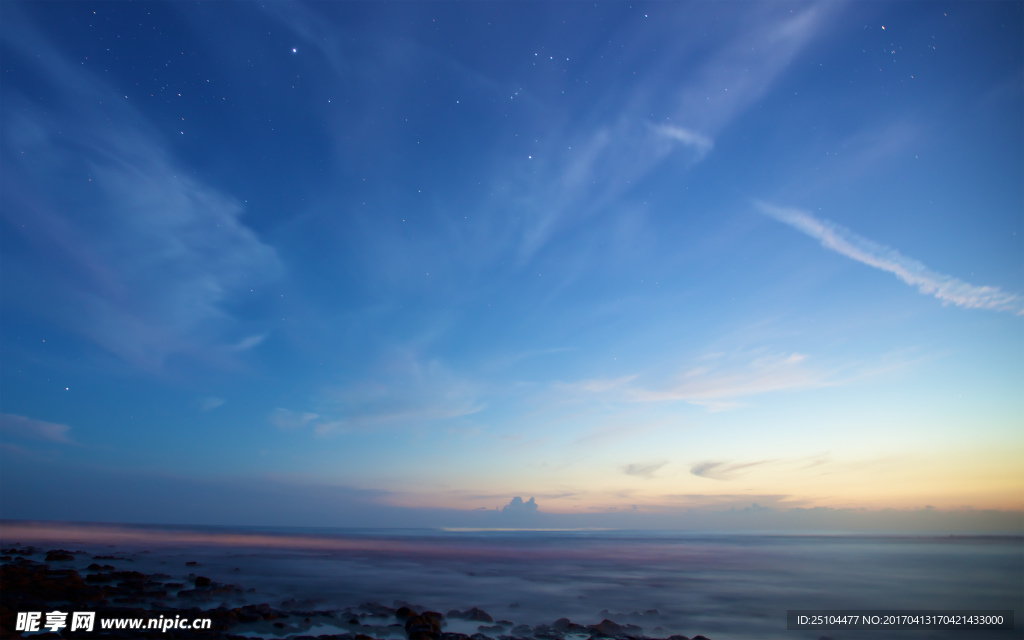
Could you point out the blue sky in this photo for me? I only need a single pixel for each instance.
(402, 262)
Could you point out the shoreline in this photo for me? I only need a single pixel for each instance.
(33, 581)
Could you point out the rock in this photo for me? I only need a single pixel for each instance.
(566, 626)
(522, 630)
(425, 626)
(99, 567)
(545, 632)
(476, 615)
(480, 636)
(377, 609)
(404, 613)
(59, 555)
(191, 563)
(608, 629)
(447, 635)
(497, 628)
(202, 582)
(678, 638)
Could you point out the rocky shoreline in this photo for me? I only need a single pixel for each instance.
(31, 580)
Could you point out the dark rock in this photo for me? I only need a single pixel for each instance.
(480, 636)
(497, 628)
(15, 551)
(377, 609)
(699, 637)
(566, 626)
(99, 567)
(477, 615)
(522, 630)
(678, 638)
(404, 613)
(425, 626)
(545, 632)
(28, 584)
(608, 629)
(364, 637)
(191, 563)
(202, 582)
(59, 555)
(447, 635)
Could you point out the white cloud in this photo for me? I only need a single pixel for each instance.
(723, 470)
(717, 388)
(403, 391)
(210, 403)
(249, 342)
(948, 289)
(701, 143)
(517, 506)
(643, 469)
(20, 427)
(289, 420)
(142, 256)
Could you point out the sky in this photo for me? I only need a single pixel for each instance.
(669, 265)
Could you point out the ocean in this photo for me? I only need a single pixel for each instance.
(722, 585)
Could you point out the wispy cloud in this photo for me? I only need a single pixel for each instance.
(723, 470)
(403, 391)
(21, 427)
(249, 342)
(643, 469)
(946, 288)
(701, 143)
(142, 257)
(287, 419)
(715, 388)
(210, 403)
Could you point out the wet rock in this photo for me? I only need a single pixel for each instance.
(191, 563)
(480, 636)
(377, 609)
(477, 615)
(59, 555)
(454, 636)
(202, 581)
(567, 626)
(522, 630)
(100, 567)
(678, 638)
(31, 583)
(23, 551)
(425, 626)
(497, 628)
(608, 629)
(404, 613)
(546, 632)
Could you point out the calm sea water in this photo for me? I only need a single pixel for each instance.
(725, 586)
